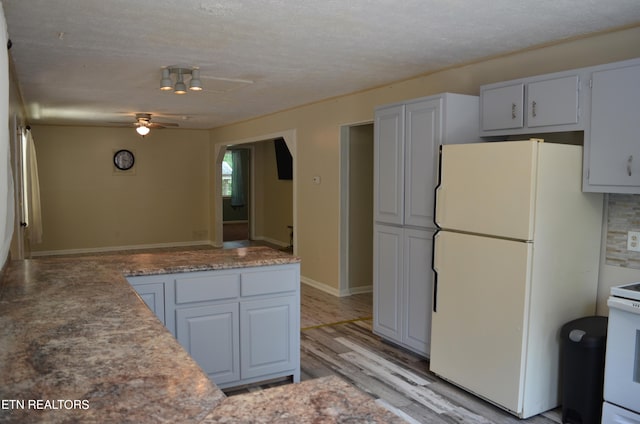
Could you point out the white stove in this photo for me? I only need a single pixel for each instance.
(622, 364)
(627, 291)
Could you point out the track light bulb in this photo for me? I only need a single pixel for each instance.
(180, 87)
(195, 84)
(165, 83)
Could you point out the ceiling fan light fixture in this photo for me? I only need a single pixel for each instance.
(142, 130)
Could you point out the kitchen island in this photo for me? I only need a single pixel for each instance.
(77, 344)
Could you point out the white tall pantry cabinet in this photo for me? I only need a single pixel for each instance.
(407, 137)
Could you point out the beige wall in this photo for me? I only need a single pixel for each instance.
(277, 201)
(86, 204)
(318, 130)
(274, 197)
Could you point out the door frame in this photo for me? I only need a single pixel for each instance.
(19, 237)
(290, 137)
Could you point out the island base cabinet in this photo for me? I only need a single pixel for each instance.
(210, 335)
(268, 337)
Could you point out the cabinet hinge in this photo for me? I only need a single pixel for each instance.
(590, 82)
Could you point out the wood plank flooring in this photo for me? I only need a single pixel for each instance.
(320, 308)
(337, 340)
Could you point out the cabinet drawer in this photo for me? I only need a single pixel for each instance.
(264, 281)
(208, 286)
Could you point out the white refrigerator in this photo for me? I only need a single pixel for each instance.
(516, 257)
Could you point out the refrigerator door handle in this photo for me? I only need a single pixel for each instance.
(435, 272)
(437, 189)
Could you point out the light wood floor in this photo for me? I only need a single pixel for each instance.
(337, 339)
(318, 308)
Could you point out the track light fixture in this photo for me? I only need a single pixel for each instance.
(166, 83)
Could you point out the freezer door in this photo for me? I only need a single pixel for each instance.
(488, 188)
(478, 331)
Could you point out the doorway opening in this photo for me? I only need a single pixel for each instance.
(236, 186)
(356, 206)
(271, 198)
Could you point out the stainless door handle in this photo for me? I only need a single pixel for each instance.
(629, 161)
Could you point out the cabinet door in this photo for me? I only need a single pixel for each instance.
(388, 157)
(422, 133)
(502, 107)
(552, 102)
(211, 336)
(387, 281)
(153, 296)
(418, 289)
(614, 145)
(269, 336)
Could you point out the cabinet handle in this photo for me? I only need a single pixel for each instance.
(513, 111)
(629, 161)
(533, 109)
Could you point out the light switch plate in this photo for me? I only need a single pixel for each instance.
(633, 241)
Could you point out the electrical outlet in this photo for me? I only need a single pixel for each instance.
(633, 241)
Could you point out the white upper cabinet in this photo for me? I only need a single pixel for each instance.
(553, 102)
(612, 141)
(422, 125)
(389, 165)
(406, 141)
(503, 107)
(548, 103)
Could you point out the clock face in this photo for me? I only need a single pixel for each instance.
(123, 159)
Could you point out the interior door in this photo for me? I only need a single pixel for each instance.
(488, 188)
(478, 330)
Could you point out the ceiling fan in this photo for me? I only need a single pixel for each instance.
(143, 124)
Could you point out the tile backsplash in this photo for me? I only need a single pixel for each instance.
(624, 216)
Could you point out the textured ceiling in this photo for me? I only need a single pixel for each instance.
(95, 62)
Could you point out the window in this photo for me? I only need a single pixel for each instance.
(227, 172)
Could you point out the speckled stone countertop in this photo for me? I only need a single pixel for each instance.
(77, 344)
(323, 400)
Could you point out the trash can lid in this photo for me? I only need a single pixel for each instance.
(588, 331)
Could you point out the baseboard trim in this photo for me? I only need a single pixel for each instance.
(116, 248)
(320, 286)
(272, 241)
(334, 291)
(359, 290)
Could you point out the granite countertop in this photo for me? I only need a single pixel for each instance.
(77, 344)
(323, 400)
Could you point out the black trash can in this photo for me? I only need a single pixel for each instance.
(584, 341)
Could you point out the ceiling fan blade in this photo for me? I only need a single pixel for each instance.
(161, 124)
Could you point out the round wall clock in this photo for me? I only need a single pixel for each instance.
(123, 159)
